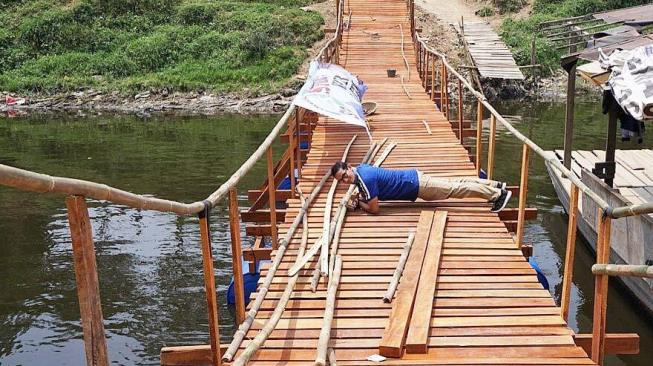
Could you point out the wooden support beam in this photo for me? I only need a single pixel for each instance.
(490, 149)
(86, 277)
(479, 136)
(460, 111)
(257, 254)
(601, 289)
(527, 250)
(272, 199)
(262, 215)
(507, 214)
(523, 191)
(420, 320)
(615, 343)
(394, 336)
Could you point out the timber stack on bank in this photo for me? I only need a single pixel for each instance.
(466, 294)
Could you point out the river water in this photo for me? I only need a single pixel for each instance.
(149, 263)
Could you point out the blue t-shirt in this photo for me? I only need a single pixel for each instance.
(387, 184)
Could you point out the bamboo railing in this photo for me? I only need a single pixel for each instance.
(606, 212)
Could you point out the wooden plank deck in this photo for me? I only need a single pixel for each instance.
(490, 54)
(489, 307)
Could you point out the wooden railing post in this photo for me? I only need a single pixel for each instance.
(209, 286)
(291, 149)
(601, 289)
(446, 92)
(298, 127)
(236, 255)
(490, 147)
(523, 190)
(460, 111)
(88, 288)
(272, 199)
(570, 252)
(479, 136)
(443, 107)
(433, 78)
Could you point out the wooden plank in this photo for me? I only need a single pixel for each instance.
(417, 338)
(394, 337)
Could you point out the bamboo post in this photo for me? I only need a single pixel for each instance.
(479, 136)
(394, 282)
(523, 190)
(490, 147)
(325, 332)
(570, 252)
(209, 286)
(86, 277)
(236, 255)
(273, 202)
(263, 289)
(433, 78)
(332, 357)
(460, 111)
(601, 289)
(315, 280)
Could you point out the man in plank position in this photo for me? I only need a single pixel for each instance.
(379, 184)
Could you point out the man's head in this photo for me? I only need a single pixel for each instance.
(343, 172)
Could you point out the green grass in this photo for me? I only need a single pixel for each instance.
(518, 34)
(54, 46)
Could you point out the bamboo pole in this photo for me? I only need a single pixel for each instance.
(236, 255)
(325, 332)
(209, 286)
(315, 280)
(336, 239)
(272, 322)
(623, 270)
(86, 277)
(263, 290)
(479, 136)
(332, 357)
(385, 154)
(394, 282)
(523, 190)
(601, 290)
(272, 189)
(490, 147)
(570, 253)
(426, 125)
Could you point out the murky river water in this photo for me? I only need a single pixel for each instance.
(149, 263)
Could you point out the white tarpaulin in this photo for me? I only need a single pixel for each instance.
(332, 91)
(632, 80)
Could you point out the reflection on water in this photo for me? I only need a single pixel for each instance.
(149, 263)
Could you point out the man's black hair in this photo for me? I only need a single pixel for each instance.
(338, 166)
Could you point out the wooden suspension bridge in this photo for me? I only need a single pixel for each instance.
(466, 295)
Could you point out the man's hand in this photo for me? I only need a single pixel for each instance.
(353, 203)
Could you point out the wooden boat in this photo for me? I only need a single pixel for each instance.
(632, 237)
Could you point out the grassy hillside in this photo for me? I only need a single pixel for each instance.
(518, 34)
(132, 45)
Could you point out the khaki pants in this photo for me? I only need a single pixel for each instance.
(434, 189)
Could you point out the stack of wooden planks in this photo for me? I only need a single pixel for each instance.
(491, 56)
(410, 318)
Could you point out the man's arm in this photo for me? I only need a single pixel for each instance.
(371, 206)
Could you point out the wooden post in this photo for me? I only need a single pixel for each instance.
(291, 168)
(490, 148)
(272, 200)
(569, 116)
(209, 286)
(433, 78)
(570, 252)
(479, 136)
(443, 108)
(298, 129)
(446, 92)
(460, 111)
(601, 289)
(236, 255)
(523, 190)
(88, 287)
